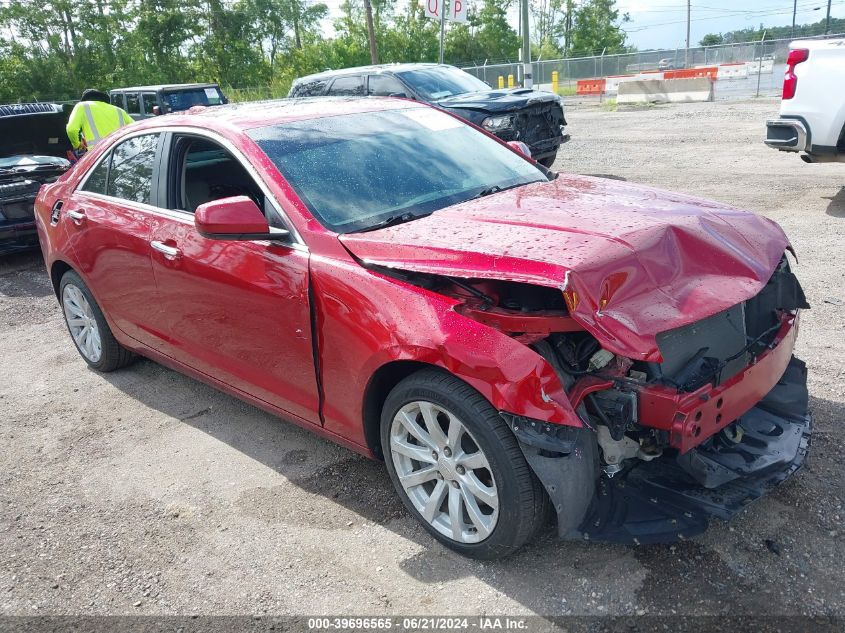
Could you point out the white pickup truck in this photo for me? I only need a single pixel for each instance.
(812, 112)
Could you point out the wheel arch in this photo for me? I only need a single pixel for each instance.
(383, 380)
(57, 271)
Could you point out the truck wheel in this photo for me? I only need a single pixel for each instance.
(458, 468)
(548, 161)
(88, 328)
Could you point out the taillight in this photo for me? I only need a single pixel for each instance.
(790, 81)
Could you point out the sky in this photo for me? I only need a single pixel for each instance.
(662, 23)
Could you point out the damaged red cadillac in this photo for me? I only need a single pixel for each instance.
(518, 346)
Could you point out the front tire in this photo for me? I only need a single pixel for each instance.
(458, 468)
(88, 327)
(548, 161)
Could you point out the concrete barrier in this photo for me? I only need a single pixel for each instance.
(732, 71)
(768, 67)
(665, 91)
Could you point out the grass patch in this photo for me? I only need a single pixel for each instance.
(609, 105)
(566, 91)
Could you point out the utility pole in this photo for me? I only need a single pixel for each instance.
(371, 32)
(527, 79)
(794, 11)
(827, 24)
(442, 26)
(686, 52)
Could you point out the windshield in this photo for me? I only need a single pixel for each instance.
(439, 82)
(184, 99)
(360, 170)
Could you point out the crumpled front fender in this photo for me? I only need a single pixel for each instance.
(365, 320)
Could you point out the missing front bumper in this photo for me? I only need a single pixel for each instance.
(671, 498)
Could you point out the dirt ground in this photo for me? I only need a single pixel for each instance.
(145, 492)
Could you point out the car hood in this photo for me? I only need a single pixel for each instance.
(33, 129)
(498, 100)
(633, 261)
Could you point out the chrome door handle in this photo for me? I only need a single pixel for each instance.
(76, 216)
(170, 252)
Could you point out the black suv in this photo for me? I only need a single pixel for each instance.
(514, 114)
(33, 152)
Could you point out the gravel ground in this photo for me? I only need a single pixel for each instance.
(145, 492)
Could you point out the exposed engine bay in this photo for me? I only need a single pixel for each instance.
(663, 445)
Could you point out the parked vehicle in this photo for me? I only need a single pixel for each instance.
(812, 110)
(510, 341)
(33, 152)
(514, 114)
(666, 64)
(142, 102)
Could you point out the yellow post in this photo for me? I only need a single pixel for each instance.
(501, 82)
(554, 81)
(510, 81)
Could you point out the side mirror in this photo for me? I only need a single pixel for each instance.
(400, 95)
(520, 147)
(235, 218)
(156, 110)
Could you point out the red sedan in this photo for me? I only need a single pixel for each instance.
(515, 344)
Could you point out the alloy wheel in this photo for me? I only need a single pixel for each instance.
(444, 472)
(82, 323)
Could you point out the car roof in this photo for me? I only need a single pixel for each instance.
(164, 87)
(244, 116)
(379, 68)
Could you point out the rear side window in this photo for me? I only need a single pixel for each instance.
(150, 100)
(385, 85)
(117, 99)
(352, 86)
(131, 173)
(311, 89)
(133, 105)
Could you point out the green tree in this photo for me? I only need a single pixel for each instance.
(597, 29)
(711, 39)
(495, 37)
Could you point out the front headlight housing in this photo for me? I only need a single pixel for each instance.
(497, 123)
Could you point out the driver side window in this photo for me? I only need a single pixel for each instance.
(203, 171)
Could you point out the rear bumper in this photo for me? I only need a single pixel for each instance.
(788, 135)
(17, 236)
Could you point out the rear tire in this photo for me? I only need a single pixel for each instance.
(458, 467)
(88, 328)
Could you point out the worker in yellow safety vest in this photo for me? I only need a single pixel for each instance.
(94, 118)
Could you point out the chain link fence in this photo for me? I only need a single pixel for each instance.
(772, 53)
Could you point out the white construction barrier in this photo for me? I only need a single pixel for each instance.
(612, 82)
(732, 71)
(665, 91)
(768, 67)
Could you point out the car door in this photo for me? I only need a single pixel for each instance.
(237, 311)
(108, 219)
